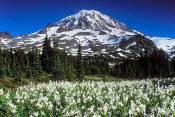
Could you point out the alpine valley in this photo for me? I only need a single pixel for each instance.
(86, 65)
(97, 33)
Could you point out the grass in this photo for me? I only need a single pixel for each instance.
(98, 78)
(12, 84)
(92, 77)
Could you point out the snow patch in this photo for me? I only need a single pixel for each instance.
(132, 44)
(122, 55)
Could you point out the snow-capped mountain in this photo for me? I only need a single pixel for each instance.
(97, 33)
(166, 44)
(94, 20)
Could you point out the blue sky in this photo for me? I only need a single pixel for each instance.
(152, 17)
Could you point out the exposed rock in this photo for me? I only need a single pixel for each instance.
(5, 34)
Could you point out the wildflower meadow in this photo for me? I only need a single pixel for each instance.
(145, 98)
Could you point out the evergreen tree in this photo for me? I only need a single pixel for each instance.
(173, 66)
(57, 68)
(15, 72)
(28, 69)
(35, 63)
(7, 62)
(45, 57)
(2, 67)
(21, 59)
(71, 72)
(79, 65)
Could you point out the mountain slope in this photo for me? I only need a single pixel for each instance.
(166, 44)
(97, 33)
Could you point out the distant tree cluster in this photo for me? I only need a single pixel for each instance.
(156, 65)
(96, 65)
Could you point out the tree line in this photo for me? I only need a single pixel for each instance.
(17, 64)
(156, 65)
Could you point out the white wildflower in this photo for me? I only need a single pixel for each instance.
(1, 92)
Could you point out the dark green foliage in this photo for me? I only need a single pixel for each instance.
(57, 68)
(2, 66)
(79, 64)
(147, 66)
(97, 65)
(45, 60)
(35, 69)
(173, 66)
(70, 71)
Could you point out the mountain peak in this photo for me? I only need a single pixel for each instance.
(83, 12)
(94, 20)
